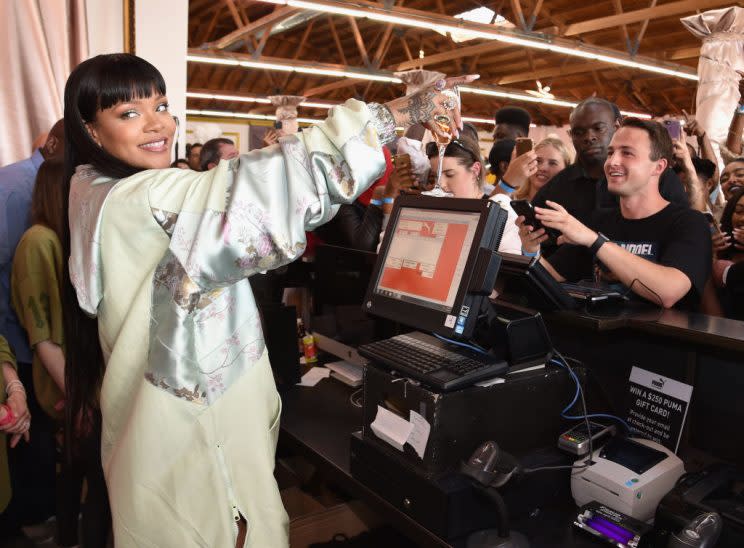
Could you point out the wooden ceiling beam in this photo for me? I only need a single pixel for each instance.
(665, 10)
(336, 39)
(346, 82)
(642, 32)
(547, 73)
(239, 23)
(256, 26)
(359, 41)
(457, 53)
(683, 53)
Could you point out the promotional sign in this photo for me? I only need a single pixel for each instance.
(657, 406)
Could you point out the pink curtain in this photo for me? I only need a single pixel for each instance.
(43, 40)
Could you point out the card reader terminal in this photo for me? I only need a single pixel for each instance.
(576, 440)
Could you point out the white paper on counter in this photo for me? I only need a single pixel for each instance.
(391, 428)
(419, 436)
(314, 376)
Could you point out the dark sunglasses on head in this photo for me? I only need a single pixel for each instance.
(432, 149)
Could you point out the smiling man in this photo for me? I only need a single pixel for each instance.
(582, 187)
(660, 250)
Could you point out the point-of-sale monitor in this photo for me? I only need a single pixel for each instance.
(437, 263)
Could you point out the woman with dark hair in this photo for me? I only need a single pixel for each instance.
(463, 176)
(728, 269)
(36, 297)
(160, 258)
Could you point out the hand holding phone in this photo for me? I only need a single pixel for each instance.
(523, 208)
(674, 128)
(524, 144)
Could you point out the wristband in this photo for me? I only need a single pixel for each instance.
(388, 200)
(740, 109)
(506, 187)
(531, 253)
(13, 383)
(375, 202)
(9, 418)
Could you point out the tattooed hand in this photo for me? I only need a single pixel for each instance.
(422, 106)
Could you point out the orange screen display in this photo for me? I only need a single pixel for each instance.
(426, 256)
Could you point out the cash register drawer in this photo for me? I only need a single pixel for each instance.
(520, 414)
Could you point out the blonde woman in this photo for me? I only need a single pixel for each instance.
(552, 157)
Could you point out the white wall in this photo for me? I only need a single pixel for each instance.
(161, 34)
(105, 26)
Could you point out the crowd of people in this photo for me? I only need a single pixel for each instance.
(103, 249)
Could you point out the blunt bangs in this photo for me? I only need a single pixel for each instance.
(121, 78)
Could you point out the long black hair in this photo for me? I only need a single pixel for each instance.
(96, 84)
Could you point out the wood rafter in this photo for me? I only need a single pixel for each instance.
(642, 32)
(256, 26)
(617, 4)
(517, 9)
(359, 41)
(541, 74)
(336, 39)
(665, 10)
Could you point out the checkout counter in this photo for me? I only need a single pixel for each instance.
(704, 351)
(419, 487)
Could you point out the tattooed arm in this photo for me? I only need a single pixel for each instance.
(424, 105)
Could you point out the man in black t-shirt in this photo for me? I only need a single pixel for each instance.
(582, 187)
(660, 250)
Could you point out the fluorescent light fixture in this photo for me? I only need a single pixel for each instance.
(464, 89)
(508, 38)
(221, 97)
(242, 115)
(307, 69)
(478, 120)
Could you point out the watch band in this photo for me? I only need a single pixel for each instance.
(599, 242)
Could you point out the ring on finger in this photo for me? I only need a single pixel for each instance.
(449, 104)
(440, 84)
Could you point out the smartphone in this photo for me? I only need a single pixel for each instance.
(674, 128)
(524, 144)
(278, 124)
(524, 209)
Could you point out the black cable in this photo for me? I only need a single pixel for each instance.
(588, 460)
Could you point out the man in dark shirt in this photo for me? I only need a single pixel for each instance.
(582, 187)
(660, 250)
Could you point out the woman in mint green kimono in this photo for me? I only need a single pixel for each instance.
(160, 258)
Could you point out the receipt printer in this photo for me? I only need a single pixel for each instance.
(630, 475)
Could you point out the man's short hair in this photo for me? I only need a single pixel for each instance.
(704, 167)
(661, 143)
(500, 152)
(600, 102)
(514, 116)
(210, 152)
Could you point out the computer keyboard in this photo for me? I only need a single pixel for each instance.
(434, 362)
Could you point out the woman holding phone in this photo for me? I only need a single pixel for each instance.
(552, 157)
(160, 258)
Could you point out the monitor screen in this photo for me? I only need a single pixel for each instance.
(426, 257)
(434, 261)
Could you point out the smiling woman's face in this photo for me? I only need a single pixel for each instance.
(138, 132)
(732, 178)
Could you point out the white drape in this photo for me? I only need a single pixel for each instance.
(721, 55)
(41, 41)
